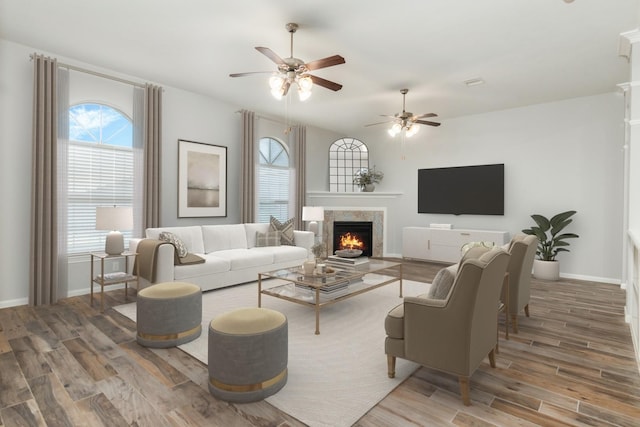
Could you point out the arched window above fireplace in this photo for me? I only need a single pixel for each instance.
(346, 157)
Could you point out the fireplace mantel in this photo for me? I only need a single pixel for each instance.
(359, 194)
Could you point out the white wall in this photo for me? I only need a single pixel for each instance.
(558, 156)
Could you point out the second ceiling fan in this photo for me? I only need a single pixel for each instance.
(406, 120)
(293, 70)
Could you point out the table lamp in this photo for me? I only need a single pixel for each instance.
(114, 219)
(313, 214)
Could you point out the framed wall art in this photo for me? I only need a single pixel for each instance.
(202, 179)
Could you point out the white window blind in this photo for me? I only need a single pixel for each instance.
(98, 175)
(273, 181)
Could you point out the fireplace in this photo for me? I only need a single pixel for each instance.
(353, 235)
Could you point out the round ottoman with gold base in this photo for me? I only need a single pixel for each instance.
(248, 354)
(168, 314)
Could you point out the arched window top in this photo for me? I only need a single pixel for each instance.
(273, 152)
(101, 124)
(349, 144)
(346, 157)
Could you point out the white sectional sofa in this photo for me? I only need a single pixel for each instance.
(229, 251)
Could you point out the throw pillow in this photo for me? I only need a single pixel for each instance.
(270, 238)
(285, 227)
(181, 248)
(441, 284)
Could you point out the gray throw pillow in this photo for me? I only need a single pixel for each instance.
(441, 284)
(270, 238)
(285, 227)
(181, 248)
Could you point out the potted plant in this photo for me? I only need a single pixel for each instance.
(550, 243)
(319, 250)
(366, 178)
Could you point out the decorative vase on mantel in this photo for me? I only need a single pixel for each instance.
(368, 188)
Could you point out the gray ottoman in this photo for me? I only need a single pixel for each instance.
(248, 354)
(168, 314)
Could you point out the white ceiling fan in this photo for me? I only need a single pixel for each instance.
(293, 70)
(406, 121)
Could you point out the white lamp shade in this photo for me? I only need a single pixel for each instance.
(114, 218)
(312, 213)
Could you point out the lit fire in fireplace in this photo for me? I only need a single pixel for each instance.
(349, 241)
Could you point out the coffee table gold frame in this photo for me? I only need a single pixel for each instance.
(294, 277)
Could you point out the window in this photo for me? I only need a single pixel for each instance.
(346, 157)
(100, 171)
(273, 180)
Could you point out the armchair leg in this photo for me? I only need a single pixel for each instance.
(526, 310)
(464, 390)
(492, 358)
(514, 322)
(391, 366)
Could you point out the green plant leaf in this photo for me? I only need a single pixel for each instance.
(542, 222)
(561, 217)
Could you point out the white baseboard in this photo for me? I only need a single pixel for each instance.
(14, 302)
(591, 278)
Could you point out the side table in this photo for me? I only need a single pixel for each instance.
(114, 278)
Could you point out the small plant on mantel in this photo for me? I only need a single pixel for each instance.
(366, 178)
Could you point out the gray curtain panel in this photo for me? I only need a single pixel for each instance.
(248, 168)
(152, 156)
(44, 263)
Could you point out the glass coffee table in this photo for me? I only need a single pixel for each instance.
(337, 284)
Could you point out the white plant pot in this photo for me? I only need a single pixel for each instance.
(546, 270)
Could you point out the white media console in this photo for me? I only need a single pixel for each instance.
(442, 245)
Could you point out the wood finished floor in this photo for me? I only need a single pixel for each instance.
(572, 363)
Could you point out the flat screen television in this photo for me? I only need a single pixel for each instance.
(473, 190)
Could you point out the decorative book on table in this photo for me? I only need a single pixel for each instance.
(347, 263)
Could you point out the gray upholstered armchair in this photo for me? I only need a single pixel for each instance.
(455, 334)
(523, 251)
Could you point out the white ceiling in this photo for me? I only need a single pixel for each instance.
(527, 51)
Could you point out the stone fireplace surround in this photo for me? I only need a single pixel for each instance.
(377, 216)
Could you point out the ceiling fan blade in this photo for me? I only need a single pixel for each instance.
(252, 73)
(379, 123)
(325, 83)
(387, 115)
(325, 62)
(425, 122)
(271, 55)
(423, 116)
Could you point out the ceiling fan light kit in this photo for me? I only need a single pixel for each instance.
(406, 121)
(295, 71)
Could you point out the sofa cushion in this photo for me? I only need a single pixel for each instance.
(181, 248)
(252, 228)
(224, 237)
(285, 227)
(240, 259)
(191, 236)
(394, 322)
(442, 283)
(284, 253)
(269, 238)
(212, 265)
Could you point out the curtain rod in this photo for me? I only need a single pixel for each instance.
(96, 73)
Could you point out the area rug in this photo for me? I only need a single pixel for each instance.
(334, 377)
